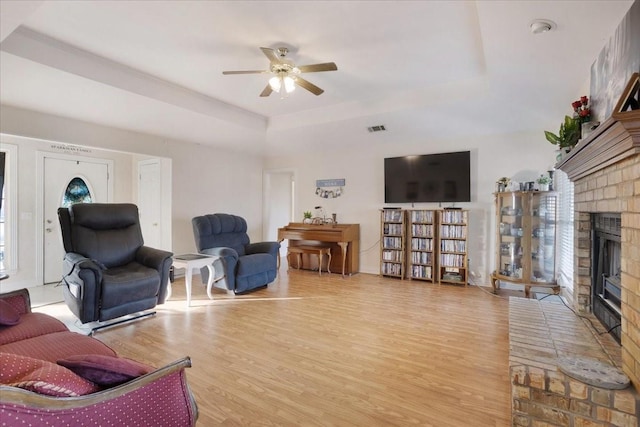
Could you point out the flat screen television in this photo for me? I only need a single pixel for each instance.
(443, 177)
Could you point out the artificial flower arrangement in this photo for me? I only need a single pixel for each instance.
(503, 183)
(569, 133)
(581, 110)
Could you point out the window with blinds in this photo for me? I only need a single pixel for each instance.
(564, 227)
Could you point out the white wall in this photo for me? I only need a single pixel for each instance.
(524, 156)
(25, 275)
(205, 179)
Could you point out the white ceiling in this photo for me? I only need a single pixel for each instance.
(436, 69)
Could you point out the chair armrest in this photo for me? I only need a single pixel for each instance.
(263, 247)
(221, 252)
(19, 299)
(73, 260)
(160, 261)
(152, 257)
(228, 260)
(160, 397)
(82, 277)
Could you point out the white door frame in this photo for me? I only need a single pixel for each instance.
(40, 156)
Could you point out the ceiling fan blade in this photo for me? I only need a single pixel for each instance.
(314, 68)
(246, 72)
(271, 54)
(267, 91)
(308, 86)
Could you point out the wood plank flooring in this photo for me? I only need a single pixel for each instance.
(326, 351)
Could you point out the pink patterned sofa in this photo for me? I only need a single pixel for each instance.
(52, 376)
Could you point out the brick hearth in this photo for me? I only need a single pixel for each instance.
(539, 333)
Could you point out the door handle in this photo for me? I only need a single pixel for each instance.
(48, 230)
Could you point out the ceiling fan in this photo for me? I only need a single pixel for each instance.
(286, 75)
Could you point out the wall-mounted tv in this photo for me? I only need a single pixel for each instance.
(443, 177)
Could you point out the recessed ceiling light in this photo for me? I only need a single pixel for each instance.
(539, 26)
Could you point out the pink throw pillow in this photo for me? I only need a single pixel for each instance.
(105, 370)
(9, 316)
(42, 377)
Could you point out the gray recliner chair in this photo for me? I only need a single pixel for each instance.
(107, 270)
(246, 266)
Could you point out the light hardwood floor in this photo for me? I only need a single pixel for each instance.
(327, 351)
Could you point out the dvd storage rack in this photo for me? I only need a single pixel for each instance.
(392, 243)
(453, 250)
(422, 237)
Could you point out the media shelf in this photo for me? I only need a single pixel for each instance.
(392, 242)
(422, 239)
(424, 244)
(452, 238)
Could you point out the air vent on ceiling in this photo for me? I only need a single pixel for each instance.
(378, 128)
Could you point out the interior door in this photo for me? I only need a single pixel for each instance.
(68, 181)
(150, 202)
(278, 209)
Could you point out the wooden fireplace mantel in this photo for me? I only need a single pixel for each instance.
(614, 140)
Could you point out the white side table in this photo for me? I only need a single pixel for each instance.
(190, 262)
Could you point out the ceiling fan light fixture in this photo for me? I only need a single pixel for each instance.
(285, 75)
(289, 84)
(275, 83)
(282, 81)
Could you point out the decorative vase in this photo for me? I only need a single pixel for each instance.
(544, 187)
(307, 221)
(588, 127)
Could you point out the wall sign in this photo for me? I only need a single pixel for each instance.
(330, 188)
(70, 148)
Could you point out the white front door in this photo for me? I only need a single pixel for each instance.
(68, 181)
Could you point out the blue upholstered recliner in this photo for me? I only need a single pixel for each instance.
(246, 266)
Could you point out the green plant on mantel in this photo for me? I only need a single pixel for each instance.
(568, 135)
(307, 214)
(544, 180)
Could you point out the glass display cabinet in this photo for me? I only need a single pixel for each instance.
(526, 239)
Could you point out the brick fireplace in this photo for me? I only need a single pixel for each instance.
(605, 170)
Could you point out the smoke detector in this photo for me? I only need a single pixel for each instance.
(539, 26)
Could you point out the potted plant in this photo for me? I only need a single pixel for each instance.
(543, 183)
(503, 183)
(567, 136)
(307, 217)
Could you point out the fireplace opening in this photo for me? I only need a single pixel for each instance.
(606, 254)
